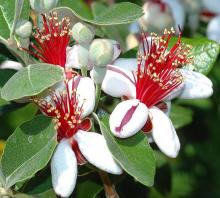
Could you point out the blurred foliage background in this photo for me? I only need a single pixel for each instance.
(194, 173)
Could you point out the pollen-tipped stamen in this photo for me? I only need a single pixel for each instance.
(158, 68)
(51, 40)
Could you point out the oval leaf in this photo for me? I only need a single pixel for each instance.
(204, 53)
(119, 13)
(180, 116)
(31, 80)
(134, 154)
(28, 149)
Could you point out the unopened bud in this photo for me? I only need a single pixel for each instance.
(98, 74)
(23, 28)
(82, 34)
(101, 52)
(116, 48)
(163, 19)
(77, 57)
(43, 5)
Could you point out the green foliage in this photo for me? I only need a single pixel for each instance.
(28, 150)
(117, 14)
(134, 154)
(10, 12)
(31, 81)
(180, 116)
(204, 53)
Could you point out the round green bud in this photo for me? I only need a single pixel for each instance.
(101, 52)
(43, 5)
(23, 28)
(77, 57)
(82, 34)
(98, 74)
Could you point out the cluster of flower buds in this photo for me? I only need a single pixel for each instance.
(91, 54)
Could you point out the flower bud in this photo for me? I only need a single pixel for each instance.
(82, 34)
(77, 57)
(101, 52)
(23, 28)
(98, 74)
(156, 17)
(116, 48)
(43, 5)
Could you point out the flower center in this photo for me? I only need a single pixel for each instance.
(158, 72)
(66, 110)
(51, 40)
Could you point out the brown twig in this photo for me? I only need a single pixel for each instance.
(110, 191)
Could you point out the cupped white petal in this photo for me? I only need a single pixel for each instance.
(213, 32)
(128, 118)
(85, 92)
(164, 133)
(175, 93)
(119, 82)
(129, 64)
(94, 148)
(11, 65)
(196, 85)
(64, 169)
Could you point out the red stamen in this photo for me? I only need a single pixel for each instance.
(158, 73)
(51, 41)
(66, 111)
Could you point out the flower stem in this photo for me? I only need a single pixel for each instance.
(84, 71)
(97, 96)
(110, 191)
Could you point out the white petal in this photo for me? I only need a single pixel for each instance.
(11, 65)
(213, 32)
(196, 85)
(128, 118)
(86, 95)
(119, 82)
(164, 133)
(212, 6)
(175, 93)
(94, 148)
(129, 64)
(64, 169)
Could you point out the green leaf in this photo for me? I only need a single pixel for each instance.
(134, 154)
(31, 81)
(80, 7)
(115, 32)
(28, 149)
(5, 74)
(4, 29)
(120, 13)
(2, 178)
(88, 187)
(204, 52)
(180, 116)
(12, 10)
